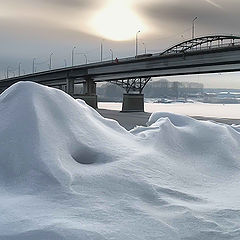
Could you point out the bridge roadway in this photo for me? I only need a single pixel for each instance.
(199, 61)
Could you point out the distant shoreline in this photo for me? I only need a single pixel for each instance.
(202, 110)
(130, 120)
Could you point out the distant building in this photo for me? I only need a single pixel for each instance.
(154, 89)
(165, 89)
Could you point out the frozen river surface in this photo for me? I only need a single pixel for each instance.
(231, 111)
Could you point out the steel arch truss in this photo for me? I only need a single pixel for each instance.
(132, 84)
(201, 43)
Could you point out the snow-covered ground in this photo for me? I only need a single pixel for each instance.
(67, 173)
(231, 111)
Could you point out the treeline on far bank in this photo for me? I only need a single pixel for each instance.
(154, 89)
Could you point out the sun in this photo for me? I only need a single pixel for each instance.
(117, 21)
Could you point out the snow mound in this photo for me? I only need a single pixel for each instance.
(44, 132)
(236, 127)
(68, 173)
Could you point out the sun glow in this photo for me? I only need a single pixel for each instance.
(116, 21)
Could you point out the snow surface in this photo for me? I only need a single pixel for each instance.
(68, 173)
(231, 111)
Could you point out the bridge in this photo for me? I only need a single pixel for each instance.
(208, 54)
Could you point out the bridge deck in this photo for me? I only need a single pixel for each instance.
(189, 57)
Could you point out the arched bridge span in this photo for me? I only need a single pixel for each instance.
(209, 42)
(203, 43)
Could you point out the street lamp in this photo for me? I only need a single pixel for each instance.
(33, 65)
(193, 27)
(145, 49)
(50, 61)
(8, 71)
(137, 42)
(65, 62)
(111, 54)
(19, 69)
(85, 58)
(73, 55)
(101, 52)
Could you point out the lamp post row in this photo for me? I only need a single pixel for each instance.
(101, 53)
(72, 58)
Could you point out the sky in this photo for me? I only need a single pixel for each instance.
(36, 28)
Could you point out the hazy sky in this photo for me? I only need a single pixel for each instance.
(35, 28)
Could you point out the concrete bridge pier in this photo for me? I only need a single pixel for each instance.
(89, 93)
(133, 99)
(62, 87)
(2, 90)
(70, 86)
(133, 102)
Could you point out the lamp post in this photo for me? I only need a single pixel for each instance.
(101, 52)
(19, 69)
(73, 55)
(65, 62)
(137, 42)
(8, 71)
(85, 58)
(111, 54)
(145, 49)
(193, 27)
(33, 65)
(50, 61)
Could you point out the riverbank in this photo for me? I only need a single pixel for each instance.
(205, 112)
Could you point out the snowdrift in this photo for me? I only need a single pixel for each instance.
(68, 173)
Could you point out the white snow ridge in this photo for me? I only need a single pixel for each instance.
(66, 173)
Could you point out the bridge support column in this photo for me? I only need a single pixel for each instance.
(89, 93)
(2, 90)
(133, 103)
(70, 86)
(62, 87)
(90, 100)
(89, 87)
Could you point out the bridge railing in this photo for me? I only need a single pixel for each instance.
(201, 43)
(200, 48)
